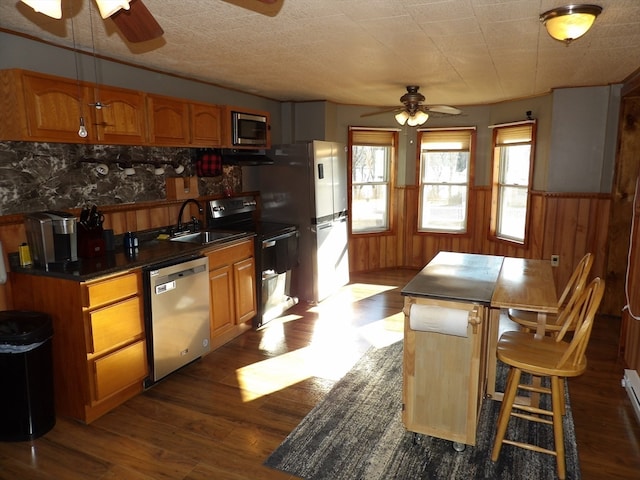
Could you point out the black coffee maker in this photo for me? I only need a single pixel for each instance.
(52, 237)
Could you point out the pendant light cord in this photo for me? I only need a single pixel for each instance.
(82, 130)
(96, 98)
(75, 56)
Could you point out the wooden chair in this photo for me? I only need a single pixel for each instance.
(528, 321)
(549, 357)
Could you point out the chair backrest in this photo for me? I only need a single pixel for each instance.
(581, 316)
(574, 286)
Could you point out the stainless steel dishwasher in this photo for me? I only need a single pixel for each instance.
(177, 315)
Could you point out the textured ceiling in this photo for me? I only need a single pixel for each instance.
(362, 52)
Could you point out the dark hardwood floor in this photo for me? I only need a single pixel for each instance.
(220, 417)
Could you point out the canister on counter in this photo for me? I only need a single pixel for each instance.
(130, 243)
(25, 255)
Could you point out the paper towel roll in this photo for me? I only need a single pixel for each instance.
(433, 318)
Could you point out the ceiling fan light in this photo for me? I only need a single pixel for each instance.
(402, 117)
(413, 121)
(109, 7)
(421, 117)
(50, 8)
(568, 23)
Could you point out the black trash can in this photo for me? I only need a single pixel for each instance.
(26, 375)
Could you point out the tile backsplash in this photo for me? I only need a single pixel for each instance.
(59, 176)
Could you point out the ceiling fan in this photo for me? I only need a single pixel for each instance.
(414, 112)
(132, 17)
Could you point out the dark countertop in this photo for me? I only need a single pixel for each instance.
(150, 252)
(457, 276)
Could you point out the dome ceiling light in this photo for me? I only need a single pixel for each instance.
(565, 24)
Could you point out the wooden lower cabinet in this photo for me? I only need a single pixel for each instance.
(232, 282)
(222, 311)
(99, 345)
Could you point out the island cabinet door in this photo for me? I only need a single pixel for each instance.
(443, 372)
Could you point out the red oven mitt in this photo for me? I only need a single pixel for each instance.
(208, 163)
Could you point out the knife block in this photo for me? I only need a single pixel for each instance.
(90, 242)
(181, 188)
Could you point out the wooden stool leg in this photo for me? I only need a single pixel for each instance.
(562, 386)
(505, 410)
(557, 401)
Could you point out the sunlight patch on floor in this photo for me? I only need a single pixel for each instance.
(330, 356)
(349, 294)
(331, 353)
(269, 376)
(384, 332)
(273, 334)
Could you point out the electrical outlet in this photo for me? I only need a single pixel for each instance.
(555, 260)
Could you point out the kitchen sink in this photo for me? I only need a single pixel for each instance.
(206, 236)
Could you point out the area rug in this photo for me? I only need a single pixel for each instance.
(356, 433)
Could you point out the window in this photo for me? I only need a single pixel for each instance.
(445, 176)
(513, 150)
(372, 159)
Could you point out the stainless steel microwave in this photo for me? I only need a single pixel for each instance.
(249, 129)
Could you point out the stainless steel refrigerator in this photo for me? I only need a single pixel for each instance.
(307, 185)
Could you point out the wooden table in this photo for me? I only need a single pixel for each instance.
(523, 284)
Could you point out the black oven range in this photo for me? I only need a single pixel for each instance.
(276, 252)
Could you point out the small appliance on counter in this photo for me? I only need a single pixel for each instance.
(52, 237)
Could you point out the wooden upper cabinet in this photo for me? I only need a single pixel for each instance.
(44, 108)
(122, 118)
(54, 109)
(205, 125)
(168, 121)
(37, 107)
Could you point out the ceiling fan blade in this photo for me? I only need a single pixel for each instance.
(385, 110)
(443, 109)
(137, 24)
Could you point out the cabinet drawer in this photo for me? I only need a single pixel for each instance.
(230, 254)
(115, 324)
(120, 369)
(111, 290)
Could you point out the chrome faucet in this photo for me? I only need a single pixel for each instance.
(184, 205)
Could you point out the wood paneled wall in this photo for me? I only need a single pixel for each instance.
(565, 224)
(630, 337)
(568, 225)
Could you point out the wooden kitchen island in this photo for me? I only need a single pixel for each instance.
(452, 312)
(444, 372)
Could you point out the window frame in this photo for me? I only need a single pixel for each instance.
(496, 187)
(394, 135)
(472, 132)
